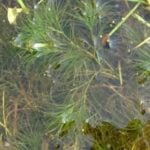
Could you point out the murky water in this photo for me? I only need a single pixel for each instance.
(47, 95)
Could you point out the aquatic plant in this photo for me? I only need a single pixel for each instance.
(73, 68)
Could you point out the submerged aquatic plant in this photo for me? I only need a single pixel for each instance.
(67, 37)
(140, 50)
(30, 134)
(71, 78)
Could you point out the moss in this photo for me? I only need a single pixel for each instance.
(106, 136)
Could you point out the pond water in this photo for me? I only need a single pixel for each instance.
(66, 84)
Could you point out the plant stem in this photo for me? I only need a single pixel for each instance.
(124, 19)
(23, 6)
(3, 111)
(139, 18)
